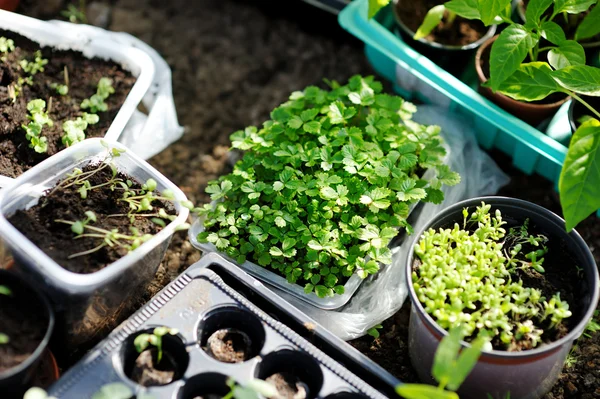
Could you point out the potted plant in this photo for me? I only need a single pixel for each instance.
(505, 270)
(91, 225)
(439, 33)
(324, 186)
(58, 93)
(27, 324)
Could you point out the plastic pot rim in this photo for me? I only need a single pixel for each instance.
(39, 351)
(490, 33)
(532, 208)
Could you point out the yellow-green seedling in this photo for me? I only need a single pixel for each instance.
(35, 66)
(4, 290)
(253, 389)
(38, 118)
(143, 341)
(96, 102)
(74, 130)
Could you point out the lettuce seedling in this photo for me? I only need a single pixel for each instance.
(6, 46)
(4, 290)
(74, 131)
(33, 130)
(142, 341)
(96, 102)
(35, 66)
(469, 276)
(326, 184)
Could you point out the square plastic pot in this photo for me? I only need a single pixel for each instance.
(134, 60)
(87, 305)
(528, 374)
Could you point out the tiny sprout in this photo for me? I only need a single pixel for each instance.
(142, 341)
(74, 131)
(63, 90)
(4, 290)
(6, 45)
(374, 331)
(35, 66)
(96, 102)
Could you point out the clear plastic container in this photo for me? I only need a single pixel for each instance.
(134, 60)
(87, 304)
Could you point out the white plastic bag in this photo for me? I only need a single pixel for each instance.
(145, 135)
(383, 295)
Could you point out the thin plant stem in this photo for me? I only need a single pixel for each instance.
(588, 106)
(88, 252)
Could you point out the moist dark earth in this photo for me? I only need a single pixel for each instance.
(82, 74)
(233, 62)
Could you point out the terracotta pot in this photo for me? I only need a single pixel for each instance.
(577, 110)
(47, 372)
(9, 5)
(531, 113)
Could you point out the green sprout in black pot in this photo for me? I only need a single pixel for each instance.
(142, 341)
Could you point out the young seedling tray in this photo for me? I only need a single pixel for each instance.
(416, 77)
(214, 294)
(86, 303)
(137, 62)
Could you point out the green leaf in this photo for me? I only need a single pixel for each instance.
(572, 6)
(468, 9)
(422, 391)
(447, 176)
(432, 19)
(312, 127)
(434, 195)
(552, 32)
(116, 390)
(375, 6)
(490, 9)
(508, 51)
(535, 10)
(323, 291)
(581, 79)
(309, 114)
(4, 290)
(590, 26)
(531, 82)
(264, 259)
(295, 122)
(568, 53)
(579, 183)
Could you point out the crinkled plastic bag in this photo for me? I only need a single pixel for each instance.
(145, 135)
(382, 295)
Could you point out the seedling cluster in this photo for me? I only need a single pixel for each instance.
(4, 290)
(38, 118)
(469, 277)
(35, 66)
(74, 131)
(96, 102)
(325, 185)
(143, 341)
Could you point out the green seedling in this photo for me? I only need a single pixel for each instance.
(4, 290)
(593, 326)
(253, 389)
(6, 46)
(62, 89)
(96, 102)
(75, 14)
(74, 131)
(35, 66)
(142, 341)
(33, 130)
(374, 331)
(325, 185)
(491, 298)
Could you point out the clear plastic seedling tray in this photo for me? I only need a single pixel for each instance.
(88, 303)
(137, 62)
(202, 301)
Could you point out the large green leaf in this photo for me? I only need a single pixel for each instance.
(552, 32)
(572, 6)
(422, 391)
(535, 9)
(490, 9)
(590, 26)
(581, 79)
(566, 54)
(531, 82)
(579, 183)
(432, 19)
(508, 51)
(468, 9)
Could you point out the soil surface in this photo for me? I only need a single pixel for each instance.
(147, 372)
(288, 386)
(41, 224)
(229, 72)
(83, 75)
(229, 345)
(459, 32)
(24, 333)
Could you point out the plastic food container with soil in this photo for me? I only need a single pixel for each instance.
(225, 324)
(66, 72)
(90, 287)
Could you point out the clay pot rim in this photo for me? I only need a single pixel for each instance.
(499, 355)
(490, 32)
(524, 104)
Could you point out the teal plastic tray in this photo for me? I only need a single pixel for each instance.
(531, 150)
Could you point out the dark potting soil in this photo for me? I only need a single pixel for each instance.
(484, 63)
(83, 73)
(288, 386)
(148, 372)
(24, 321)
(56, 239)
(460, 32)
(229, 345)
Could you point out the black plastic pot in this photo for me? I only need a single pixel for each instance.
(454, 59)
(578, 110)
(527, 374)
(14, 381)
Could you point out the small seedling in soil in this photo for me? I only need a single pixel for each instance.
(374, 331)
(62, 89)
(96, 102)
(75, 14)
(6, 46)
(253, 389)
(229, 345)
(4, 290)
(142, 341)
(593, 326)
(35, 66)
(33, 130)
(152, 370)
(74, 131)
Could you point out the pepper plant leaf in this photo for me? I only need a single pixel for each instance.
(568, 53)
(422, 391)
(572, 6)
(581, 79)
(490, 9)
(534, 11)
(432, 19)
(579, 183)
(530, 82)
(375, 6)
(468, 9)
(508, 52)
(590, 25)
(552, 32)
